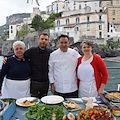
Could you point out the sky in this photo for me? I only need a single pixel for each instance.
(9, 7)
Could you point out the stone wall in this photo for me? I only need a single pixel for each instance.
(7, 48)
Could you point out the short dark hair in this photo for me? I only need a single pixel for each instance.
(44, 34)
(62, 36)
(88, 43)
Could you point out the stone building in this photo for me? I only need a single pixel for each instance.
(36, 11)
(56, 7)
(83, 25)
(112, 8)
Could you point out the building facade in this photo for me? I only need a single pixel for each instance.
(93, 25)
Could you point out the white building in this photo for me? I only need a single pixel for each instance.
(13, 28)
(56, 7)
(86, 25)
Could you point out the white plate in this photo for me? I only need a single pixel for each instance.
(95, 104)
(19, 101)
(52, 99)
(85, 99)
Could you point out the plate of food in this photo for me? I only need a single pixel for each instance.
(52, 99)
(94, 114)
(113, 96)
(85, 99)
(27, 101)
(71, 106)
(69, 116)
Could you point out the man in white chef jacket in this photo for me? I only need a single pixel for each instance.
(62, 69)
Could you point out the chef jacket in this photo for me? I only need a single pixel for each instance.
(62, 70)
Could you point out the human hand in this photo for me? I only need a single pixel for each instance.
(75, 48)
(52, 88)
(101, 89)
(4, 61)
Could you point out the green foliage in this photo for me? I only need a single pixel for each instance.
(4, 36)
(22, 32)
(38, 23)
(44, 112)
(51, 19)
(104, 46)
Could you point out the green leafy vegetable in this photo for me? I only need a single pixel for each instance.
(8, 100)
(44, 112)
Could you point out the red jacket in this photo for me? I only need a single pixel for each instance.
(100, 70)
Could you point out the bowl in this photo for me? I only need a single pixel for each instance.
(97, 107)
(85, 99)
(116, 111)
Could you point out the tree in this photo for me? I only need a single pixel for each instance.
(23, 31)
(38, 23)
(50, 21)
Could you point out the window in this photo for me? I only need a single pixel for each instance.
(67, 21)
(58, 29)
(77, 20)
(95, 4)
(87, 18)
(77, 28)
(107, 3)
(51, 8)
(88, 27)
(58, 23)
(100, 34)
(113, 20)
(100, 26)
(74, 8)
(117, 1)
(66, 4)
(100, 18)
(74, 3)
(80, 6)
(11, 27)
(113, 12)
(11, 31)
(67, 33)
(57, 7)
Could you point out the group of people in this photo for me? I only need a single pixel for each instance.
(70, 74)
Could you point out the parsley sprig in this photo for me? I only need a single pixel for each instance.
(44, 112)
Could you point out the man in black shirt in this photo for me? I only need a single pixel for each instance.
(38, 57)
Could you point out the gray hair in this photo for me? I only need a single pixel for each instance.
(18, 43)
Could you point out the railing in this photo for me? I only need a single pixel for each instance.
(113, 79)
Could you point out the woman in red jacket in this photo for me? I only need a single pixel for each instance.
(92, 73)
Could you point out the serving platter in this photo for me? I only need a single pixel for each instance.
(21, 101)
(71, 106)
(112, 98)
(52, 99)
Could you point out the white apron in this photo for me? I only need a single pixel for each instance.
(15, 89)
(87, 89)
